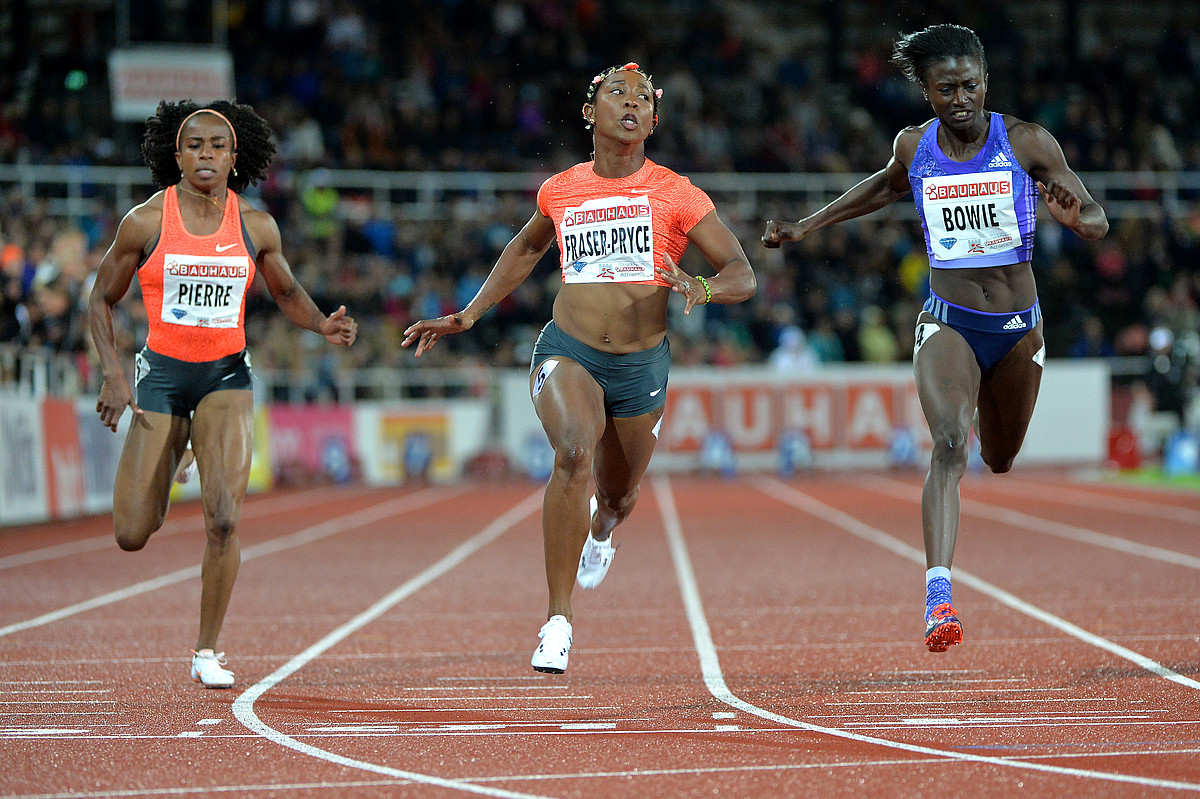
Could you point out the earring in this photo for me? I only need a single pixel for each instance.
(235, 171)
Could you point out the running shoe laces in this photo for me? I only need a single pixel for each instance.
(942, 628)
(207, 669)
(595, 559)
(555, 649)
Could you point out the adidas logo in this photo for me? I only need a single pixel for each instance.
(999, 160)
(1016, 323)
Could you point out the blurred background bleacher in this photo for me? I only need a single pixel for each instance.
(412, 137)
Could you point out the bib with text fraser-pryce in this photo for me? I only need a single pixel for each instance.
(608, 240)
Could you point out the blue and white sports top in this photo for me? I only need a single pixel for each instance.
(975, 213)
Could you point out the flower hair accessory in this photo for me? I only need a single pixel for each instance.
(632, 66)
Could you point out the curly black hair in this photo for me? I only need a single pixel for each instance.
(915, 52)
(255, 144)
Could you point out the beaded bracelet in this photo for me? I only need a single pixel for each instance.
(707, 290)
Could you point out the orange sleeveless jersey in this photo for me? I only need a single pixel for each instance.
(194, 287)
(614, 230)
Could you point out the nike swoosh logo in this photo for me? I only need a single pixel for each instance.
(639, 191)
(224, 247)
(654, 393)
(226, 377)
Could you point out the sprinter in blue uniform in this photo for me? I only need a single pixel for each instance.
(976, 177)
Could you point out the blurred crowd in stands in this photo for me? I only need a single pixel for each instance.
(469, 85)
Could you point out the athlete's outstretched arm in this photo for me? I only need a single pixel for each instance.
(515, 263)
(883, 188)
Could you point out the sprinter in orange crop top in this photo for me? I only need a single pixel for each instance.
(599, 371)
(195, 247)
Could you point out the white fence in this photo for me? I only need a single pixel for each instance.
(72, 191)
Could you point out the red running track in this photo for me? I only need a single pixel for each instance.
(756, 637)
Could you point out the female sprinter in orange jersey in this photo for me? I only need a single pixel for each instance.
(195, 247)
(599, 372)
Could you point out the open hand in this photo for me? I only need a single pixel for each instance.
(115, 397)
(427, 331)
(680, 281)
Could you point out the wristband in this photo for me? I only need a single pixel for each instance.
(707, 290)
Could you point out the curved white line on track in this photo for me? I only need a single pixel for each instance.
(1024, 521)
(243, 706)
(797, 499)
(334, 526)
(710, 665)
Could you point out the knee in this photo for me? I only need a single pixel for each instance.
(133, 531)
(996, 462)
(221, 528)
(621, 505)
(131, 538)
(950, 452)
(574, 460)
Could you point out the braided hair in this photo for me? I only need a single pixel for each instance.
(915, 52)
(632, 66)
(255, 147)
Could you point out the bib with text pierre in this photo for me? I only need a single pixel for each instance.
(205, 290)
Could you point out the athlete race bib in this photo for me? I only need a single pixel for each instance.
(970, 215)
(204, 290)
(608, 240)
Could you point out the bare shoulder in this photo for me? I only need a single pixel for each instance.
(259, 224)
(1034, 146)
(905, 144)
(1022, 133)
(143, 220)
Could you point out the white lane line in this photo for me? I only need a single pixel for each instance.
(208, 790)
(243, 706)
(1035, 524)
(334, 526)
(801, 501)
(714, 680)
(1094, 500)
(252, 510)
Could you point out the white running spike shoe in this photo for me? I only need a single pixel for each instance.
(595, 559)
(207, 669)
(555, 649)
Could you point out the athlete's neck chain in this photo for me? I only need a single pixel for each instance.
(209, 197)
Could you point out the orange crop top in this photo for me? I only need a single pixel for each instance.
(614, 230)
(194, 287)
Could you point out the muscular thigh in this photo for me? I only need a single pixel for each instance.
(223, 442)
(569, 402)
(947, 375)
(152, 450)
(624, 452)
(1009, 391)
